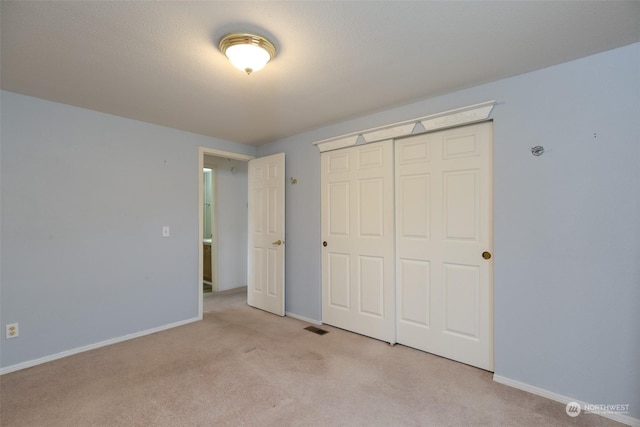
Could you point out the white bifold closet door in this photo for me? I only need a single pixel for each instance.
(358, 238)
(444, 220)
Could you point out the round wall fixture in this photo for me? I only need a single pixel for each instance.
(538, 150)
(247, 52)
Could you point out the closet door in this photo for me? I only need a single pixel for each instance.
(357, 232)
(444, 233)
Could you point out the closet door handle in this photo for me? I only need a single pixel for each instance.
(486, 255)
(324, 243)
(277, 242)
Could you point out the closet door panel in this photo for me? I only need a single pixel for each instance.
(338, 209)
(414, 292)
(339, 281)
(358, 234)
(443, 225)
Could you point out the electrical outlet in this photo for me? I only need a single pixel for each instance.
(165, 231)
(12, 330)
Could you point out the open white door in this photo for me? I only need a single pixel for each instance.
(265, 281)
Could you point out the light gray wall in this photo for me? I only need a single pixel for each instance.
(567, 227)
(84, 197)
(231, 209)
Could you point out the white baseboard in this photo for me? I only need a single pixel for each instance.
(621, 418)
(40, 361)
(304, 319)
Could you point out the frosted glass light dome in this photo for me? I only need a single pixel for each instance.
(247, 52)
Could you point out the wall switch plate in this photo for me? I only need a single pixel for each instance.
(165, 231)
(12, 330)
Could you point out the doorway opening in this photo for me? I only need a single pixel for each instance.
(209, 236)
(222, 237)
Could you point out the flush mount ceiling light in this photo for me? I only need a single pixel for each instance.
(247, 52)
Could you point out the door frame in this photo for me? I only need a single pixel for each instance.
(202, 151)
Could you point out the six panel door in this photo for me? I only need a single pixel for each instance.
(444, 286)
(357, 233)
(265, 281)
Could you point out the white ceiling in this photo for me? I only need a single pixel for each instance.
(158, 61)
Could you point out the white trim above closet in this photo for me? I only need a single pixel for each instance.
(446, 119)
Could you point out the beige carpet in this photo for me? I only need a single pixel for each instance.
(244, 367)
(223, 300)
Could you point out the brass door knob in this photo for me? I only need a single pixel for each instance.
(324, 243)
(277, 242)
(486, 255)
